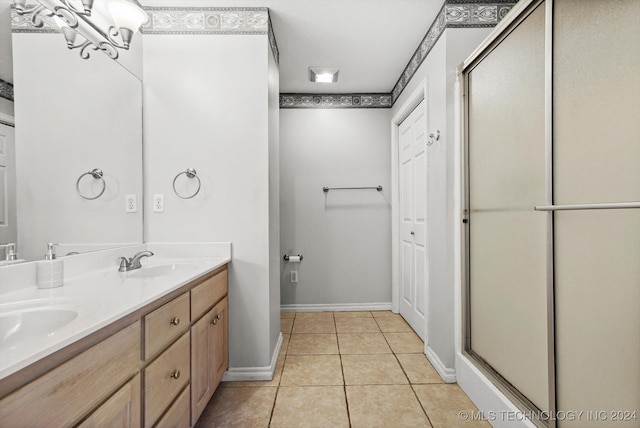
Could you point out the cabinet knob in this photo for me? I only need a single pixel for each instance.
(175, 321)
(175, 374)
(215, 321)
(219, 316)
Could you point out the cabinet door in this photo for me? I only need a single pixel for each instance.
(220, 341)
(209, 356)
(121, 410)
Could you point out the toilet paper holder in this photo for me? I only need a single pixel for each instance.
(286, 257)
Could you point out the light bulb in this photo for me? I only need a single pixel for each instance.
(128, 17)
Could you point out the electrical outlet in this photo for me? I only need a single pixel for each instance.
(131, 203)
(158, 202)
(294, 276)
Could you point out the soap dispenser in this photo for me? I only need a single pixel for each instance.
(50, 271)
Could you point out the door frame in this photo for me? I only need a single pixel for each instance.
(416, 97)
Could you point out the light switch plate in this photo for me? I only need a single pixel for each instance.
(131, 202)
(294, 276)
(158, 202)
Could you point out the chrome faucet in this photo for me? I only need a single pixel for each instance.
(134, 262)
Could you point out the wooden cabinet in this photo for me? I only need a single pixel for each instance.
(165, 378)
(209, 356)
(69, 392)
(178, 414)
(110, 379)
(208, 293)
(165, 324)
(121, 410)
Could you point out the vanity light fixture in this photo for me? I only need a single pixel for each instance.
(108, 31)
(323, 74)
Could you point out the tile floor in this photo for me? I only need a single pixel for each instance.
(343, 369)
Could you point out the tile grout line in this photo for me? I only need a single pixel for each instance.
(344, 381)
(407, 376)
(275, 398)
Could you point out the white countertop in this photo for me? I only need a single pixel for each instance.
(99, 297)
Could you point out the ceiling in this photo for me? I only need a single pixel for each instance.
(371, 41)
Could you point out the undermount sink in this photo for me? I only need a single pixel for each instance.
(161, 270)
(16, 326)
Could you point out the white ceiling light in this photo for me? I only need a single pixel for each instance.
(323, 74)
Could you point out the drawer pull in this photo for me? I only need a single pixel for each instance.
(215, 321)
(175, 374)
(175, 321)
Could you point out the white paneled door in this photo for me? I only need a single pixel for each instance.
(413, 215)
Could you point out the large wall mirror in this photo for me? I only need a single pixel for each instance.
(73, 116)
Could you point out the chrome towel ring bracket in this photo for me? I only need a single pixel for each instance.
(98, 175)
(190, 173)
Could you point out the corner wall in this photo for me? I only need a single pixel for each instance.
(439, 68)
(206, 101)
(344, 235)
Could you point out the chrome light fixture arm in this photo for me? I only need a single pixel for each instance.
(72, 21)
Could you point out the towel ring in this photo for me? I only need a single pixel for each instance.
(98, 175)
(190, 173)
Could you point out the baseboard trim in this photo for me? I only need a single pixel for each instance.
(447, 374)
(496, 407)
(244, 374)
(340, 307)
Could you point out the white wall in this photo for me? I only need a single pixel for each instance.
(274, 199)
(207, 107)
(439, 68)
(344, 236)
(73, 115)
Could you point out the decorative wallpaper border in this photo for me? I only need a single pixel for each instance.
(6, 90)
(211, 20)
(206, 20)
(364, 100)
(453, 14)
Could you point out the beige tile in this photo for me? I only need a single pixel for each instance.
(419, 369)
(314, 315)
(363, 343)
(309, 370)
(285, 325)
(352, 314)
(405, 343)
(381, 369)
(304, 344)
(314, 406)
(274, 382)
(356, 325)
(393, 325)
(285, 343)
(443, 404)
(385, 406)
(378, 314)
(239, 407)
(287, 315)
(313, 325)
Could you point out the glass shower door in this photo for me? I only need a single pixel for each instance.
(507, 238)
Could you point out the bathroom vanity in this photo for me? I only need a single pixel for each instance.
(151, 351)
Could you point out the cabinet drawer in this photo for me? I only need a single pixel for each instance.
(165, 378)
(165, 324)
(121, 410)
(67, 393)
(178, 414)
(205, 295)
